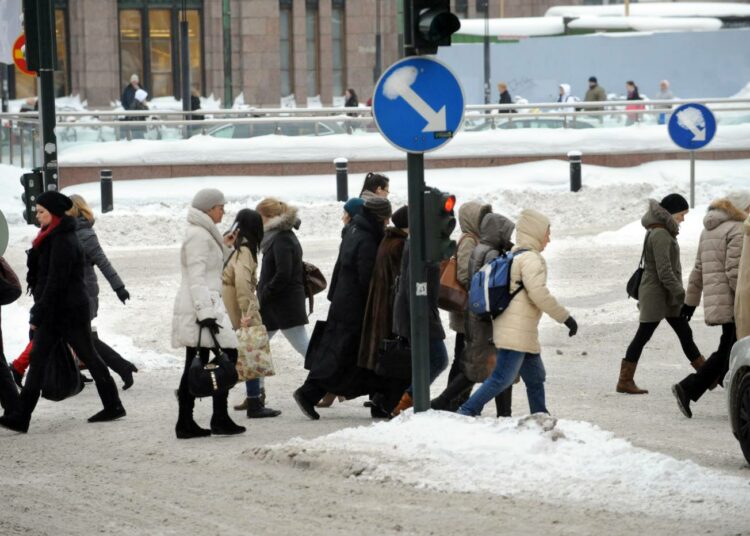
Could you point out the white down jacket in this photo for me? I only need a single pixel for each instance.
(201, 263)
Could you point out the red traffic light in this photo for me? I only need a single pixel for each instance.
(450, 203)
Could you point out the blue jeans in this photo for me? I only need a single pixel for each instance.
(298, 338)
(509, 364)
(438, 361)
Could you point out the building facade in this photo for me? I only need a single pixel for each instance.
(280, 49)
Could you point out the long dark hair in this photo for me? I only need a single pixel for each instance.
(249, 231)
(373, 181)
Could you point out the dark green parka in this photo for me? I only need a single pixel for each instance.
(661, 293)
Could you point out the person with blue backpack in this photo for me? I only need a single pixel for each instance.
(516, 296)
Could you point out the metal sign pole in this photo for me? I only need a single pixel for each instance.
(692, 179)
(46, 75)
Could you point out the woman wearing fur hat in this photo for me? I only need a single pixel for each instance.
(60, 312)
(199, 312)
(515, 333)
(332, 361)
(715, 277)
(661, 294)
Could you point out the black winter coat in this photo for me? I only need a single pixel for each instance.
(56, 280)
(95, 257)
(332, 360)
(401, 308)
(128, 96)
(281, 289)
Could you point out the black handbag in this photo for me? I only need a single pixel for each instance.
(62, 378)
(634, 282)
(394, 359)
(217, 376)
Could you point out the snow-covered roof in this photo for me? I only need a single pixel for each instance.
(644, 24)
(514, 27)
(656, 9)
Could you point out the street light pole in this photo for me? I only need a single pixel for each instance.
(487, 91)
(46, 79)
(227, 36)
(378, 44)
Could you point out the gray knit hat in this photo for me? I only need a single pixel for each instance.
(207, 199)
(379, 207)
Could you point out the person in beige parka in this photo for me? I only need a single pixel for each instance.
(516, 331)
(742, 299)
(715, 277)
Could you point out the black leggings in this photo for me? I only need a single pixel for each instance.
(716, 366)
(646, 329)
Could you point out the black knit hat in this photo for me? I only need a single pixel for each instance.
(56, 203)
(400, 218)
(593, 79)
(379, 207)
(674, 203)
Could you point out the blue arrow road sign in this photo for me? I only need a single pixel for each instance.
(418, 104)
(692, 126)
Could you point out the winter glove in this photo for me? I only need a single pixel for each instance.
(687, 312)
(123, 294)
(571, 324)
(211, 324)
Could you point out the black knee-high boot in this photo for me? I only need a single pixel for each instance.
(115, 361)
(221, 423)
(8, 390)
(504, 402)
(446, 400)
(186, 427)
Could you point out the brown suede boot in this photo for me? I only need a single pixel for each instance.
(405, 403)
(698, 363)
(626, 384)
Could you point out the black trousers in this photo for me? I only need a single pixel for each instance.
(716, 367)
(646, 329)
(186, 400)
(110, 356)
(79, 338)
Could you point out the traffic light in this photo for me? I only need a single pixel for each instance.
(439, 225)
(433, 25)
(32, 188)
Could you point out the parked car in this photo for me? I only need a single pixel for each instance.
(251, 130)
(477, 125)
(737, 385)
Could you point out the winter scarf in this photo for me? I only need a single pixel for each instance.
(45, 231)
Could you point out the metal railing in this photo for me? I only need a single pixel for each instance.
(19, 141)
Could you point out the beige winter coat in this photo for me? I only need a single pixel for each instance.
(742, 300)
(239, 288)
(717, 263)
(517, 328)
(470, 217)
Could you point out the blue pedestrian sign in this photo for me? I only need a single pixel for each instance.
(418, 104)
(692, 126)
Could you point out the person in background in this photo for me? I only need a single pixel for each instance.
(332, 361)
(505, 98)
(138, 104)
(375, 185)
(742, 299)
(470, 218)
(715, 277)
(595, 93)
(565, 96)
(128, 94)
(199, 313)
(516, 330)
(95, 256)
(56, 264)
(378, 321)
(195, 104)
(660, 294)
(633, 95)
(10, 291)
(664, 94)
(281, 288)
(239, 293)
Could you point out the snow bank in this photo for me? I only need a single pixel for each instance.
(534, 457)
(656, 9)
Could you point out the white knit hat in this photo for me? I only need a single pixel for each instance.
(740, 199)
(134, 78)
(207, 199)
(141, 95)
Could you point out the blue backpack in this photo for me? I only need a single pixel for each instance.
(489, 293)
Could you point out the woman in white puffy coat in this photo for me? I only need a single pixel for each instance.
(199, 309)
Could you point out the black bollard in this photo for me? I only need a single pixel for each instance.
(106, 182)
(342, 179)
(574, 157)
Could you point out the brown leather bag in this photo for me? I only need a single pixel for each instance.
(315, 282)
(453, 296)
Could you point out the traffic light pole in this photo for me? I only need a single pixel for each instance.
(46, 76)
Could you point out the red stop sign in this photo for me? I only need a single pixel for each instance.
(19, 54)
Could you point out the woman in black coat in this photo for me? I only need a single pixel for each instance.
(60, 312)
(95, 257)
(332, 360)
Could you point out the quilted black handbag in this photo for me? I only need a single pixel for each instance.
(219, 375)
(634, 282)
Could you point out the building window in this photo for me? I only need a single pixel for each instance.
(313, 48)
(462, 9)
(286, 48)
(24, 85)
(338, 33)
(150, 44)
(483, 6)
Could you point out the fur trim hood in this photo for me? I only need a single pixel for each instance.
(283, 222)
(720, 211)
(659, 216)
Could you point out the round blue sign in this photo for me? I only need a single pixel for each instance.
(418, 104)
(692, 126)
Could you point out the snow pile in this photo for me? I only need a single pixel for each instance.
(534, 457)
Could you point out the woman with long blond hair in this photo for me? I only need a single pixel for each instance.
(95, 256)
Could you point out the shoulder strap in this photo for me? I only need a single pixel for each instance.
(464, 237)
(643, 252)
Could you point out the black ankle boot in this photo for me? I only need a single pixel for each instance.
(188, 429)
(127, 376)
(307, 407)
(439, 403)
(109, 414)
(16, 422)
(257, 410)
(221, 423)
